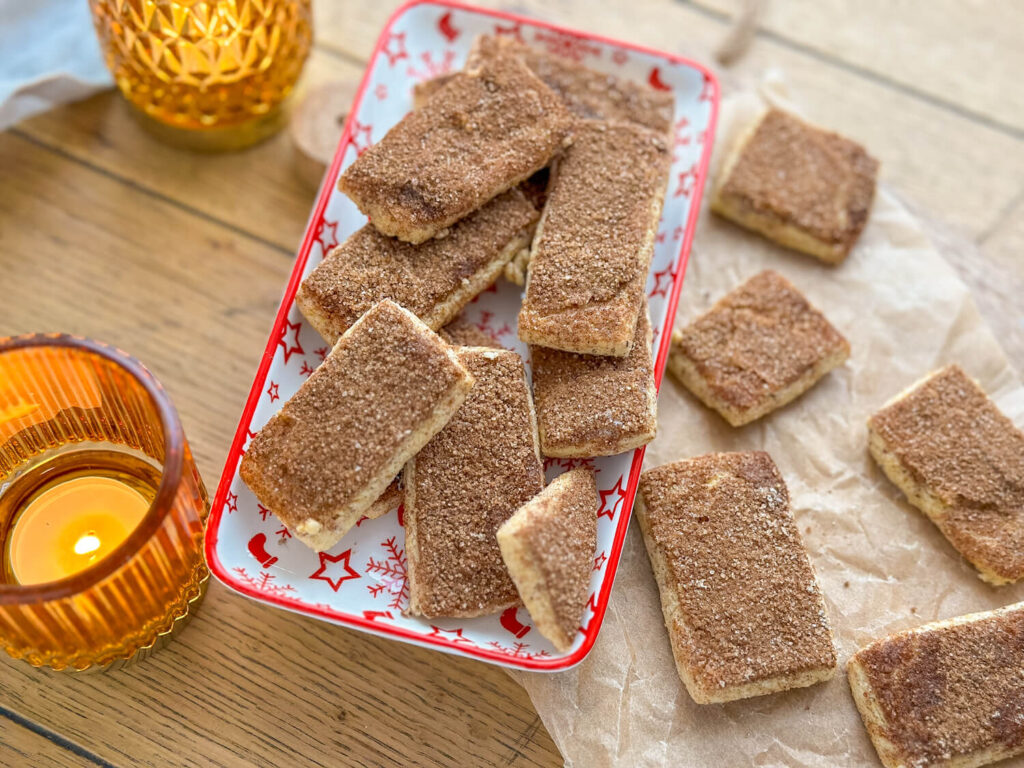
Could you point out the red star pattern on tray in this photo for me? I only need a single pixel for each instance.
(455, 635)
(394, 48)
(360, 137)
(611, 500)
(264, 582)
(264, 513)
(393, 575)
(599, 561)
(663, 281)
(518, 650)
(381, 92)
(687, 180)
(432, 68)
(335, 576)
(326, 234)
(272, 392)
(231, 502)
(445, 27)
(514, 31)
(566, 45)
(290, 339)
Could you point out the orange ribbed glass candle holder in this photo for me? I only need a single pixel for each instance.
(98, 492)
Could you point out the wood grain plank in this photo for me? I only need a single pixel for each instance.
(956, 168)
(104, 132)
(20, 747)
(955, 53)
(246, 684)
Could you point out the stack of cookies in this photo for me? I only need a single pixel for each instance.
(524, 165)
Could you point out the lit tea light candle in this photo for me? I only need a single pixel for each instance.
(71, 525)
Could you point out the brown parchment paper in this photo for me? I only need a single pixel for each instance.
(881, 564)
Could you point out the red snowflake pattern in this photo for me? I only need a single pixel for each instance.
(431, 68)
(566, 45)
(392, 574)
(264, 582)
(374, 615)
(321, 353)
(283, 532)
(394, 48)
(707, 91)
(381, 92)
(305, 370)
(620, 57)
(678, 232)
(264, 512)
(611, 500)
(687, 180)
(518, 650)
(515, 31)
(290, 339)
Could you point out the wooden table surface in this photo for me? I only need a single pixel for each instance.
(182, 258)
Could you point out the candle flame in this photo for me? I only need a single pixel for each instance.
(90, 542)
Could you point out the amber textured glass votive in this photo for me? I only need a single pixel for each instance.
(72, 410)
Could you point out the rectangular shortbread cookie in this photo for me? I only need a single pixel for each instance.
(802, 186)
(743, 609)
(392, 498)
(593, 246)
(589, 405)
(386, 388)
(466, 482)
(548, 546)
(585, 91)
(434, 280)
(948, 694)
(482, 133)
(959, 460)
(761, 346)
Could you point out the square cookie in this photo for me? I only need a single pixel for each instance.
(800, 185)
(959, 460)
(761, 346)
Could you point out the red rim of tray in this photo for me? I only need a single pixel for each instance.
(599, 606)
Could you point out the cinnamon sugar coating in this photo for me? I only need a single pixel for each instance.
(480, 134)
(467, 481)
(815, 180)
(594, 244)
(946, 691)
(558, 537)
(433, 280)
(462, 333)
(586, 92)
(331, 449)
(757, 340)
(954, 442)
(591, 405)
(749, 609)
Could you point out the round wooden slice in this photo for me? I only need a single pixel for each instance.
(316, 126)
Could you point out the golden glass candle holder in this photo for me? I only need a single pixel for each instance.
(101, 506)
(210, 74)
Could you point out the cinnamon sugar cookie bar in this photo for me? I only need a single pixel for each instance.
(434, 280)
(593, 246)
(959, 460)
(802, 186)
(761, 346)
(464, 484)
(586, 92)
(743, 609)
(589, 405)
(548, 546)
(392, 498)
(463, 333)
(421, 92)
(483, 132)
(386, 388)
(947, 694)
